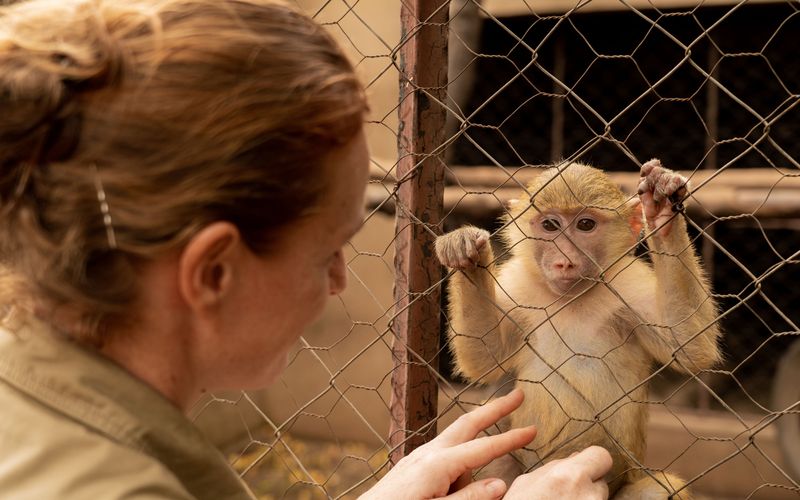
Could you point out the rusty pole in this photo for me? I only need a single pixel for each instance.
(420, 172)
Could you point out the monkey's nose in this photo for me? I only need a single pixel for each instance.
(563, 265)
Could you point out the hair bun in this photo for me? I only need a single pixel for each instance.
(44, 65)
(31, 98)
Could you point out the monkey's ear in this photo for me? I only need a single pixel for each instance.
(634, 209)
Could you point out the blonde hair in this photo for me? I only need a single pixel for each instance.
(183, 112)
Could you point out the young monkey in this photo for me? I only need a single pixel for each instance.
(578, 320)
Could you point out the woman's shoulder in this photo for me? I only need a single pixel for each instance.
(44, 455)
(72, 419)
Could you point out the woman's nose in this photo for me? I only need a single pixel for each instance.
(338, 274)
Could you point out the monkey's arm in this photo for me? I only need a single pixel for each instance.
(478, 335)
(683, 309)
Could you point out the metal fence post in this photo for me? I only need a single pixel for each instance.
(420, 174)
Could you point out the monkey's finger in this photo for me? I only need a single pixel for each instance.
(648, 166)
(462, 251)
(468, 426)
(655, 177)
(644, 186)
(683, 191)
(474, 242)
(481, 240)
(666, 186)
(596, 461)
(472, 250)
(440, 245)
(659, 195)
(452, 253)
(486, 489)
(650, 182)
(678, 187)
(649, 207)
(655, 172)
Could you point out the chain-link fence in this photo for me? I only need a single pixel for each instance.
(712, 89)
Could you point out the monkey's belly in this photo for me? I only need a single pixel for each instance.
(582, 404)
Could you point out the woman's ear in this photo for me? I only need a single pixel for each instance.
(207, 265)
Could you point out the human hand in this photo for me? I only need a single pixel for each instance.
(445, 464)
(579, 476)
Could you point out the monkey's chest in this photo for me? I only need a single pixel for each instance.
(586, 364)
(576, 374)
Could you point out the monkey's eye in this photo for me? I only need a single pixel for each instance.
(585, 225)
(551, 225)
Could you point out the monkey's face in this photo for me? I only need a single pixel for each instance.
(570, 248)
(571, 224)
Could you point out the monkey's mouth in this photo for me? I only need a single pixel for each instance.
(569, 285)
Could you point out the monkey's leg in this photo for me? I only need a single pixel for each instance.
(647, 488)
(506, 468)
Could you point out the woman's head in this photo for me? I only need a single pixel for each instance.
(182, 112)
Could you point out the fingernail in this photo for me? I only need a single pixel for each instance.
(496, 487)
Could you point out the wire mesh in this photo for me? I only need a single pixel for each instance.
(710, 88)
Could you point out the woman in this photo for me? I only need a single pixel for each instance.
(177, 179)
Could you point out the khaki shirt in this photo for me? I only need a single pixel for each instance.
(76, 426)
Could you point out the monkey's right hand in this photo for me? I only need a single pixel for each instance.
(463, 248)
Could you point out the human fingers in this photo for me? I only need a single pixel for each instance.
(464, 480)
(479, 452)
(486, 489)
(468, 426)
(596, 461)
(601, 489)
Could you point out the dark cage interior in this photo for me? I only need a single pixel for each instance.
(642, 81)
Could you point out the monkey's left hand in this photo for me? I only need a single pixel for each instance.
(657, 188)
